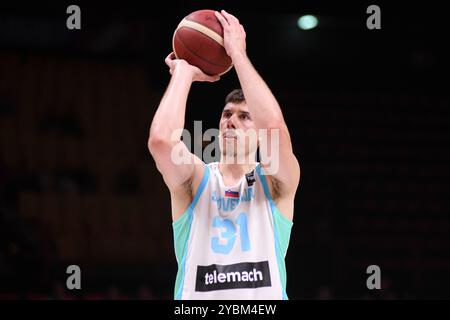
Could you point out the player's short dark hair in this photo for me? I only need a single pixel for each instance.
(235, 96)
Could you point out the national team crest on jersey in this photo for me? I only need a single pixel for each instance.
(231, 194)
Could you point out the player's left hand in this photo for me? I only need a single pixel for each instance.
(183, 66)
(233, 34)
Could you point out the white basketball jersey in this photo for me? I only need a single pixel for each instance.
(231, 242)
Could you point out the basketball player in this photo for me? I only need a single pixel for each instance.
(231, 222)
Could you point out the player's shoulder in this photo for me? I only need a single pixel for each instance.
(202, 170)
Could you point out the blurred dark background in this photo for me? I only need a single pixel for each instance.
(367, 111)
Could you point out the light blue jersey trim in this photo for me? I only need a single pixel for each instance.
(181, 232)
(282, 232)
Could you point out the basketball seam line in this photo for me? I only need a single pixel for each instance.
(201, 28)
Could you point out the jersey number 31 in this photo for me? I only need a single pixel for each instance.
(224, 244)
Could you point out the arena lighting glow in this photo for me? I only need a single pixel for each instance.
(307, 22)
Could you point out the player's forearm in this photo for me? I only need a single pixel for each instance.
(171, 111)
(262, 104)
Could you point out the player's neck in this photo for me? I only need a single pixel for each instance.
(234, 170)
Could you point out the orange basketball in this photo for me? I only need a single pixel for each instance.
(198, 39)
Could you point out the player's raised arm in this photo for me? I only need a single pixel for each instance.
(264, 108)
(165, 130)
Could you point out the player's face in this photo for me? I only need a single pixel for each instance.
(237, 131)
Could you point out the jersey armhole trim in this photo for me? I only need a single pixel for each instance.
(176, 225)
(197, 195)
(273, 206)
(276, 214)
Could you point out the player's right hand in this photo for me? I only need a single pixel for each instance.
(181, 65)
